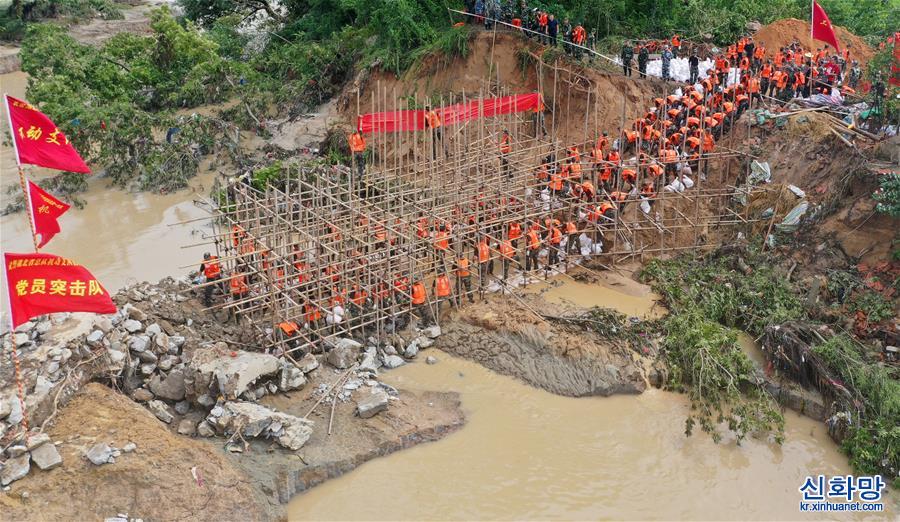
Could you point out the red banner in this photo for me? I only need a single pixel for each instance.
(37, 141)
(45, 209)
(39, 284)
(398, 121)
(822, 29)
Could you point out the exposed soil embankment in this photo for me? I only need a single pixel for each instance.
(837, 180)
(153, 482)
(612, 96)
(507, 338)
(783, 33)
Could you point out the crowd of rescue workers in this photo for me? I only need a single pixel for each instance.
(660, 151)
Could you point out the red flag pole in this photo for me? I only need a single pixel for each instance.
(28, 209)
(812, 17)
(10, 342)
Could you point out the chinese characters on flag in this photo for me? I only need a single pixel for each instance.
(822, 29)
(39, 284)
(37, 140)
(45, 209)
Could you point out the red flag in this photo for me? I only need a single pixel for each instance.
(822, 29)
(40, 284)
(45, 209)
(37, 141)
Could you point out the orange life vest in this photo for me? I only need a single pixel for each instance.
(442, 285)
(505, 144)
(506, 250)
(418, 293)
(211, 268)
(357, 142)
(432, 120)
(534, 241)
(515, 230)
(289, 327)
(462, 269)
(442, 240)
(484, 252)
(238, 285)
(312, 313)
(555, 235)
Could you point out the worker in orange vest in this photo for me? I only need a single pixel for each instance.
(515, 232)
(507, 256)
(288, 333)
(433, 123)
(532, 248)
(442, 239)
(419, 302)
(441, 288)
(571, 237)
(485, 262)
(312, 315)
(212, 270)
(359, 298)
(239, 288)
(358, 149)
(505, 149)
(464, 277)
(554, 240)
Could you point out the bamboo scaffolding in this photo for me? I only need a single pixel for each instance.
(321, 244)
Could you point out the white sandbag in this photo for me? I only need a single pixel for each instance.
(688, 182)
(584, 241)
(645, 206)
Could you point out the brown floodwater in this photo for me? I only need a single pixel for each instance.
(526, 454)
(611, 290)
(120, 236)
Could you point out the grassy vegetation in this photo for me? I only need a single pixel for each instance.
(711, 296)
(874, 441)
(708, 299)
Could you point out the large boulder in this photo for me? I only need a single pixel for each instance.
(393, 361)
(161, 410)
(371, 404)
(46, 456)
(254, 420)
(228, 375)
(308, 363)
(291, 378)
(15, 468)
(171, 387)
(344, 353)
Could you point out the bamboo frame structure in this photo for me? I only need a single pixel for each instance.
(313, 242)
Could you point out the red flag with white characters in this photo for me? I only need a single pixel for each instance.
(39, 284)
(45, 209)
(37, 141)
(822, 29)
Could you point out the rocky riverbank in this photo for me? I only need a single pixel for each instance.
(152, 403)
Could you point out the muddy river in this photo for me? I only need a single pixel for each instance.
(525, 453)
(528, 454)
